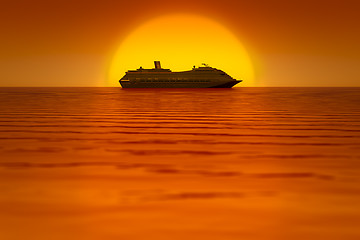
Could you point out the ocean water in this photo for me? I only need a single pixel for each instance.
(242, 163)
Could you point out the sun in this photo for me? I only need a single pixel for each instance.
(181, 41)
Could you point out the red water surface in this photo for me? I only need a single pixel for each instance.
(243, 163)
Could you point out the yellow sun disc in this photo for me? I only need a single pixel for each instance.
(181, 41)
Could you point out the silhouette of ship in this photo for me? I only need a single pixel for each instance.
(200, 77)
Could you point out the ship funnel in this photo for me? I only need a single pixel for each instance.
(157, 65)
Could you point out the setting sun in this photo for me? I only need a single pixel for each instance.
(180, 42)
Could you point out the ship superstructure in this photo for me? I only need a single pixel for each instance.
(198, 77)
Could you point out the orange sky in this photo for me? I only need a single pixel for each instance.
(71, 43)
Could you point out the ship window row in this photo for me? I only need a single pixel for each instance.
(173, 80)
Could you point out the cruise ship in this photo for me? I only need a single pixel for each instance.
(198, 77)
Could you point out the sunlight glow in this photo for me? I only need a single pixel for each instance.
(181, 41)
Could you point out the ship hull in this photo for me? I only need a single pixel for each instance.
(229, 84)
